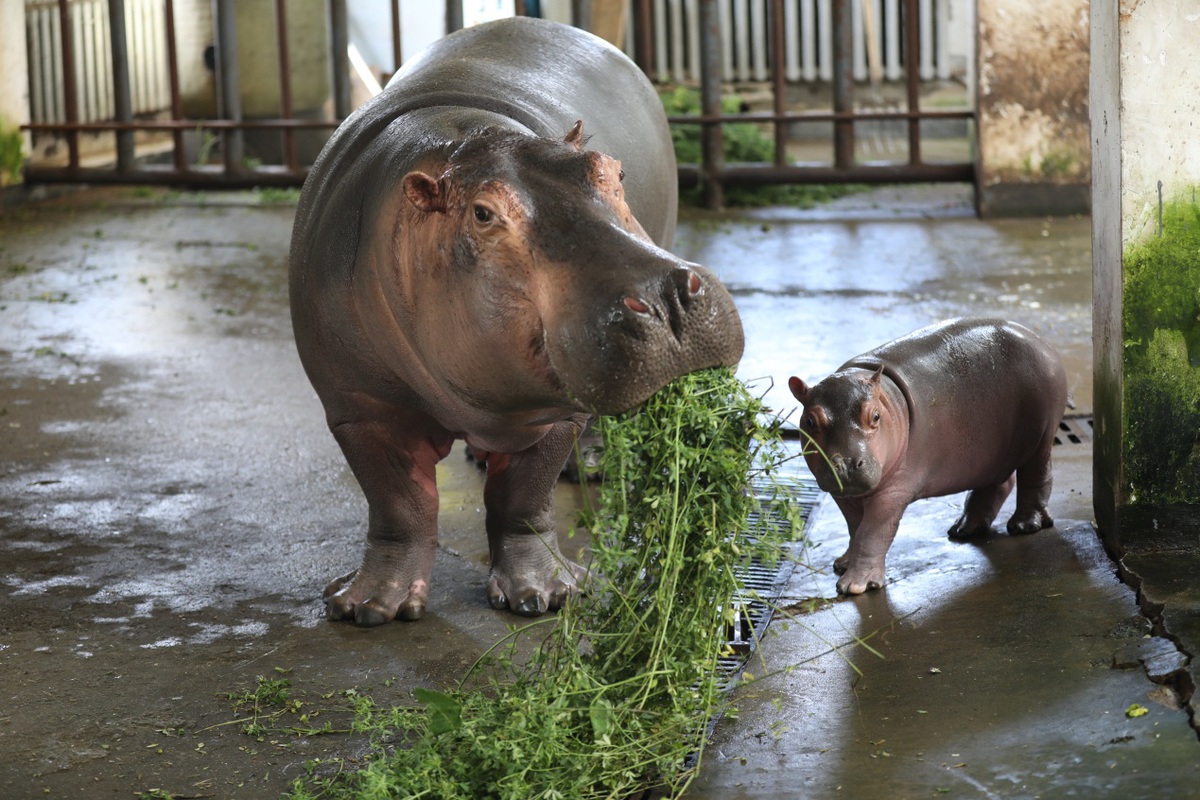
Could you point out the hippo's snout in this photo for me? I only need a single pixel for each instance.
(849, 475)
(670, 301)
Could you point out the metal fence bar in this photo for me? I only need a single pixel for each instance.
(285, 82)
(120, 77)
(711, 135)
(229, 99)
(770, 31)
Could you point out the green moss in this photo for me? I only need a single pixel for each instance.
(12, 154)
(1162, 361)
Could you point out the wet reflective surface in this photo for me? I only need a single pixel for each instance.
(172, 504)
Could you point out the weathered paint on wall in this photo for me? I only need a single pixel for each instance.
(1032, 104)
(1160, 108)
(14, 72)
(1107, 274)
(1145, 85)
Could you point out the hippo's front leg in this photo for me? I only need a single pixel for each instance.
(529, 574)
(866, 560)
(397, 472)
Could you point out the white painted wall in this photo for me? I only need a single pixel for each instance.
(1160, 108)
(14, 81)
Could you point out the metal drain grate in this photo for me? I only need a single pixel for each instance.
(1074, 430)
(761, 585)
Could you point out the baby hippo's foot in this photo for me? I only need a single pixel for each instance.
(1030, 521)
(968, 526)
(530, 576)
(841, 563)
(860, 577)
(381, 590)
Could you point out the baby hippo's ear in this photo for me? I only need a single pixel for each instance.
(875, 378)
(799, 389)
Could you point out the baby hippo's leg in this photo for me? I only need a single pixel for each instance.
(1034, 482)
(866, 560)
(981, 508)
(852, 510)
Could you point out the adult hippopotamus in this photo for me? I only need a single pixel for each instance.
(961, 405)
(467, 263)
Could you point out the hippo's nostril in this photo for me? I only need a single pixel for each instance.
(636, 305)
(687, 283)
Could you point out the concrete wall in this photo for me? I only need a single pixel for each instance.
(1032, 96)
(1145, 111)
(14, 71)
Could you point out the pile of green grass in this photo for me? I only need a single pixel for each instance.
(619, 695)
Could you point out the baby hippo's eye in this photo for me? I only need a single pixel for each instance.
(875, 418)
(621, 175)
(483, 213)
(810, 422)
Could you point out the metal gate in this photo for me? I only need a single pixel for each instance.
(112, 69)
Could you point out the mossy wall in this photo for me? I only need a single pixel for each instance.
(1162, 359)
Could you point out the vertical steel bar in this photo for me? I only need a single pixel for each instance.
(285, 83)
(339, 46)
(70, 87)
(712, 135)
(643, 36)
(179, 157)
(843, 83)
(581, 14)
(454, 15)
(518, 8)
(229, 99)
(120, 74)
(779, 85)
(397, 54)
(912, 77)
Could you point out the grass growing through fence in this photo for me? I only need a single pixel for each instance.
(619, 695)
(742, 142)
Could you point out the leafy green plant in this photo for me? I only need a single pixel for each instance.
(619, 694)
(742, 142)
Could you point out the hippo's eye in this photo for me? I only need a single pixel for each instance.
(483, 214)
(810, 421)
(621, 175)
(875, 418)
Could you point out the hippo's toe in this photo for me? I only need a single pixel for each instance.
(353, 597)
(1030, 522)
(859, 579)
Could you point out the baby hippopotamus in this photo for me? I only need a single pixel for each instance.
(967, 404)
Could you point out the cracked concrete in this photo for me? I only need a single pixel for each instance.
(171, 506)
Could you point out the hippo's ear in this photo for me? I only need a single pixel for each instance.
(425, 192)
(574, 136)
(799, 388)
(876, 376)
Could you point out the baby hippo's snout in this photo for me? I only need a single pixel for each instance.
(850, 475)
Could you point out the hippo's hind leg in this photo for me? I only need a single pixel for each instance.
(396, 470)
(529, 573)
(980, 509)
(1035, 479)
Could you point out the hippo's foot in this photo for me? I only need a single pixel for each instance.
(968, 526)
(841, 563)
(368, 598)
(859, 578)
(1032, 521)
(530, 576)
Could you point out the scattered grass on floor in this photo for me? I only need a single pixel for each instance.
(619, 695)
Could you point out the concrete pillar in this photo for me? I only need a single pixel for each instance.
(1032, 107)
(14, 78)
(1145, 111)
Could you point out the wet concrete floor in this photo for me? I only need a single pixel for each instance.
(171, 505)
